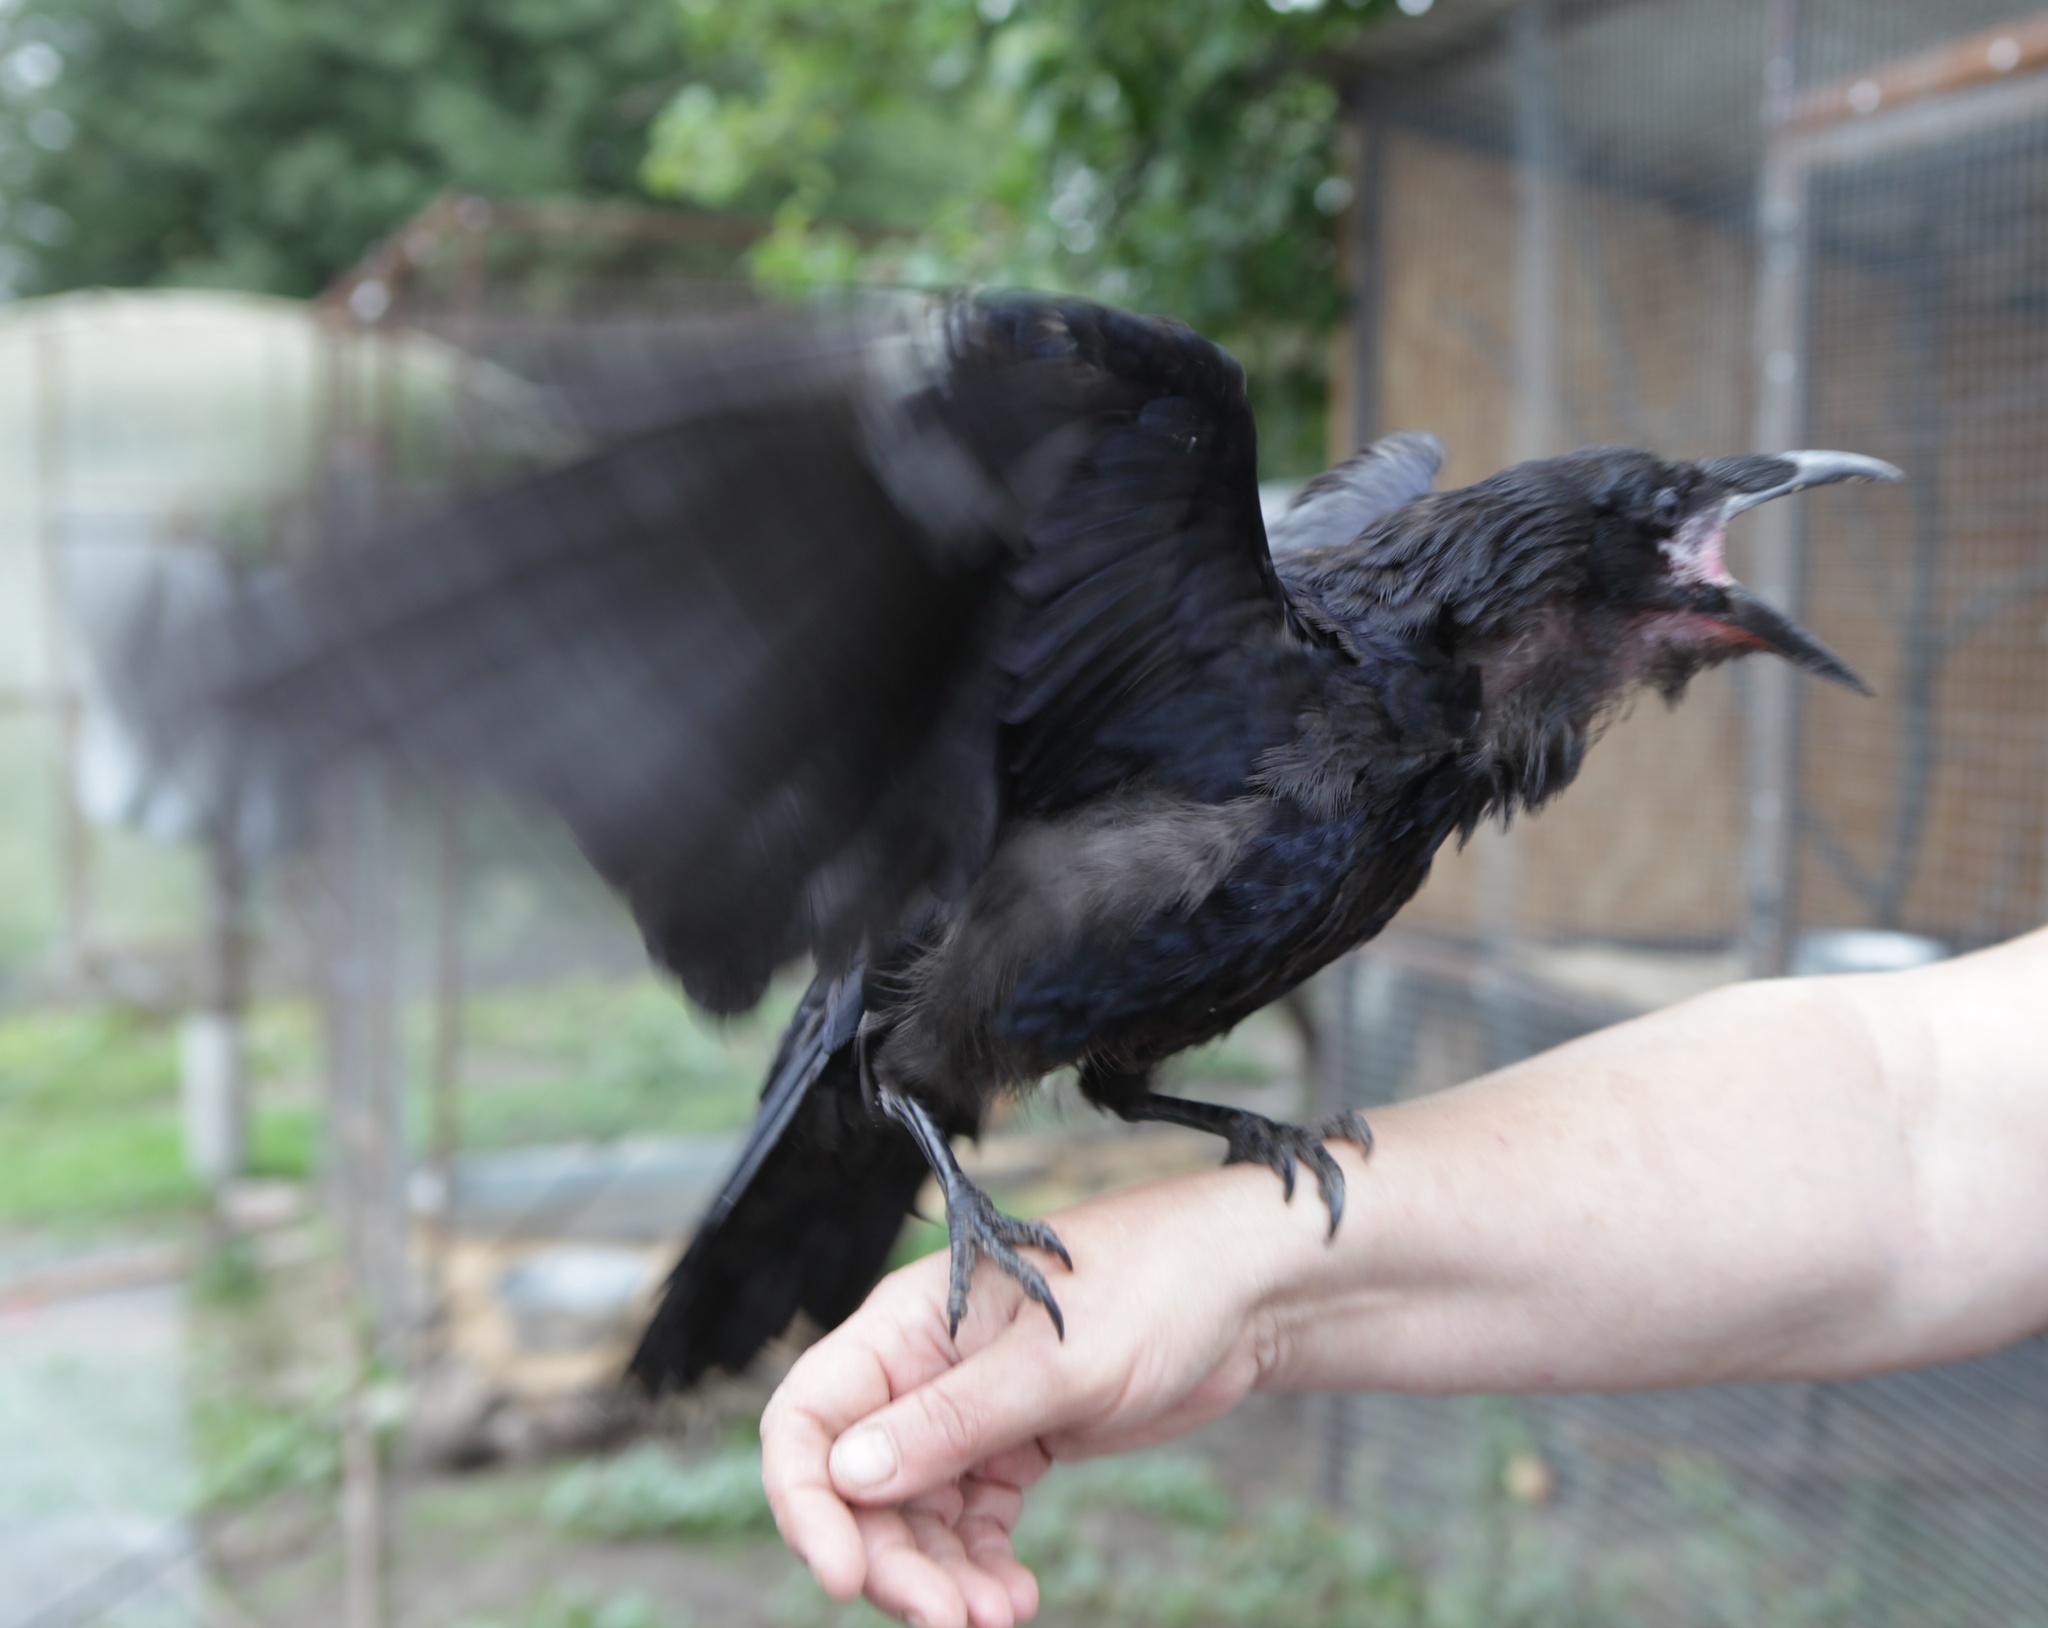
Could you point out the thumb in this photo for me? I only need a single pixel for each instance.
(1007, 1394)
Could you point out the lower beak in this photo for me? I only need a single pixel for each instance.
(1774, 630)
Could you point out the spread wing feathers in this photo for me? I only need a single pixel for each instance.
(1338, 505)
(760, 651)
(1153, 637)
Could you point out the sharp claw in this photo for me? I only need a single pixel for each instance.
(1333, 1194)
(1033, 1284)
(1349, 1126)
(1043, 1237)
(1277, 1147)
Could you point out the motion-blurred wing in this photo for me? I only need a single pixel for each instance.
(756, 651)
(147, 617)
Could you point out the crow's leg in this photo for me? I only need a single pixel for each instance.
(1251, 1138)
(974, 1226)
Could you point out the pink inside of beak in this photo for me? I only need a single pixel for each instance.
(1695, 551)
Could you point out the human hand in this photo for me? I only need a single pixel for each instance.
(897, 1459)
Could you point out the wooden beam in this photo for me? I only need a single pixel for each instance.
(1927, 122)
(1984, 58)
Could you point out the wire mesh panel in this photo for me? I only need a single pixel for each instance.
(1924, 809)
(1756, 225)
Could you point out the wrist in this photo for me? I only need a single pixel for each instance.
(1297, 1271)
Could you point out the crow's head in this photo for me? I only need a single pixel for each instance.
(1652, 546)
(1568, 582)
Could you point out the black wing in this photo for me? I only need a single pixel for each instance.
(783, 653)
(1152, 636)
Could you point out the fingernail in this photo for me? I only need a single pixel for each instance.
(866, 1458)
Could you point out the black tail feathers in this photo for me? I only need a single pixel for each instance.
(806, 1220)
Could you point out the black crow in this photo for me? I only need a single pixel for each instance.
(948, 647)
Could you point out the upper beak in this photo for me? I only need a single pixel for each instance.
(1756, 480)
(1759, 479)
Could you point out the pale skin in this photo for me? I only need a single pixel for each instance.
(1812, 1179)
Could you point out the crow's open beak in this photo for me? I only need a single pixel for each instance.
(1754, 480)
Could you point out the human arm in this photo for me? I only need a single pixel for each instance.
(1810, 1179)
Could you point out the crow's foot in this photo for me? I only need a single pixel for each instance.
(1258, 1140)
(974, 1226)
(1255, 1139)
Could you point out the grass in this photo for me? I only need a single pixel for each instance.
(648, 1491)
(88, 1118)
(89, 1129)
(89, 1121)
(569, 1608)
(138, 891)
(1149, 1539)
(1156, 1539)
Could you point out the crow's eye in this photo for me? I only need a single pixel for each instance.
(1664, 509)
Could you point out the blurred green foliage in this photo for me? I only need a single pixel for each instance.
(89, 1114)
(89, 1096)
(1291, 1566)
(1286, 1564)
(648, 1491)
(88, 1118)
(558, 1608)
(251, 1449)
(259, 145)
(1181, 157)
